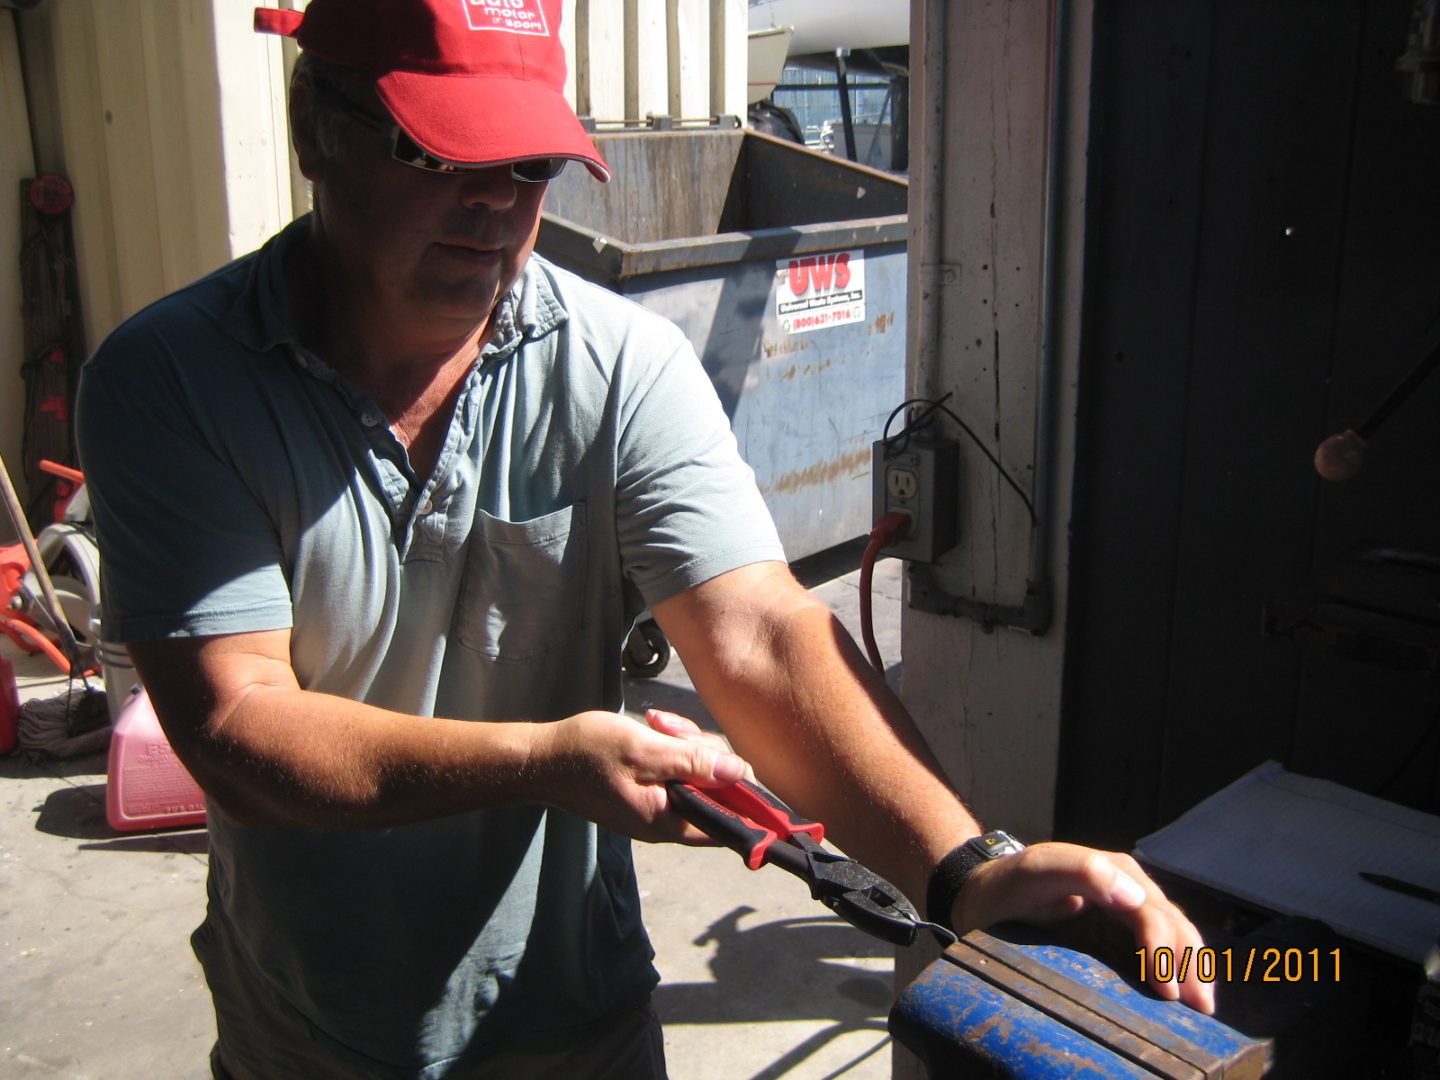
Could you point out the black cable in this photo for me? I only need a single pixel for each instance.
(921, 419)
(910, 424)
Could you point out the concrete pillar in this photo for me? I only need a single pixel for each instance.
(989, 700)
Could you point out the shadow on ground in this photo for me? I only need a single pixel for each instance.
(77, 812)
(818, 980)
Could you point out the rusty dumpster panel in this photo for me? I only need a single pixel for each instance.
(805, 404)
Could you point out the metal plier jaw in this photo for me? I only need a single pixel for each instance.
(765, 830)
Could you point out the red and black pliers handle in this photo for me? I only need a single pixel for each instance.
(763, 830)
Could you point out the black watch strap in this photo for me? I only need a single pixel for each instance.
(954, 870)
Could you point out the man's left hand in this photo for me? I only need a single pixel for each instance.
(1050, 883)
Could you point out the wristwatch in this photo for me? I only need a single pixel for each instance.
(954, 870)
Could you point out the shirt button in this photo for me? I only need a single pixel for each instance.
(369, 419)
(427, 507)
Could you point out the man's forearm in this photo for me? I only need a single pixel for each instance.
(820, 727)
(268, 752)
(283, 757)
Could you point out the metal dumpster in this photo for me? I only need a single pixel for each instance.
(786, 268)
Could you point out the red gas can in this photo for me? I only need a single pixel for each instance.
(9, 706)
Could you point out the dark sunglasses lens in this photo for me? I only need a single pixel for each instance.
(538, 170)
(408, 152)
(533, 170)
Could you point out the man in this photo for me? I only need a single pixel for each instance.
(377, 506)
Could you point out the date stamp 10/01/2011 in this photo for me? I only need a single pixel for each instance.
(1253, 964)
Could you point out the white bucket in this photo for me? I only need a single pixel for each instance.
(116, 667)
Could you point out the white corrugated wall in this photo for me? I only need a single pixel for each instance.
(16, 163)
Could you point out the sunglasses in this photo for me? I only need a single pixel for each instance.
(405, 150)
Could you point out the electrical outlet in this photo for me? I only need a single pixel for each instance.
(901, 483)
(917, 477)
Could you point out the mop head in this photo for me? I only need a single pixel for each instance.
(75, 723)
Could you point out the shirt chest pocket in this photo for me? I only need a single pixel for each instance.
(523, 591)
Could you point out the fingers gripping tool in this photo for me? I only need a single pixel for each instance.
(763, 830)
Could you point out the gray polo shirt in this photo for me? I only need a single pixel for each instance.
(241, 484)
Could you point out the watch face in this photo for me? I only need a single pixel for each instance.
(994, 844)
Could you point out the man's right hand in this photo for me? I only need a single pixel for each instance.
(606, 768)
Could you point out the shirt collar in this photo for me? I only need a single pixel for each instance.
(528, 311)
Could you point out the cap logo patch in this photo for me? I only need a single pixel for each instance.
(511, 16)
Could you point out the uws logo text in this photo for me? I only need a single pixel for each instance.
(824, 272)
(511, 16)
(820, 291)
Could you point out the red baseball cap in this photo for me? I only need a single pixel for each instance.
(471, 81)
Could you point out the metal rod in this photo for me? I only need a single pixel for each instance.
(1403, 389)
(1042, 495)
(831, 86)
(847, 118)
(926, 228)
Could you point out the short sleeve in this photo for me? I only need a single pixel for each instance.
(688, 507)
(185, 546)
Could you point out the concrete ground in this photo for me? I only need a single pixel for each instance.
(97, 981)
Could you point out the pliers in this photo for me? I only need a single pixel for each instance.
(761, 828)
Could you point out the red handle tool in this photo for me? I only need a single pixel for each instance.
(742, 817)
